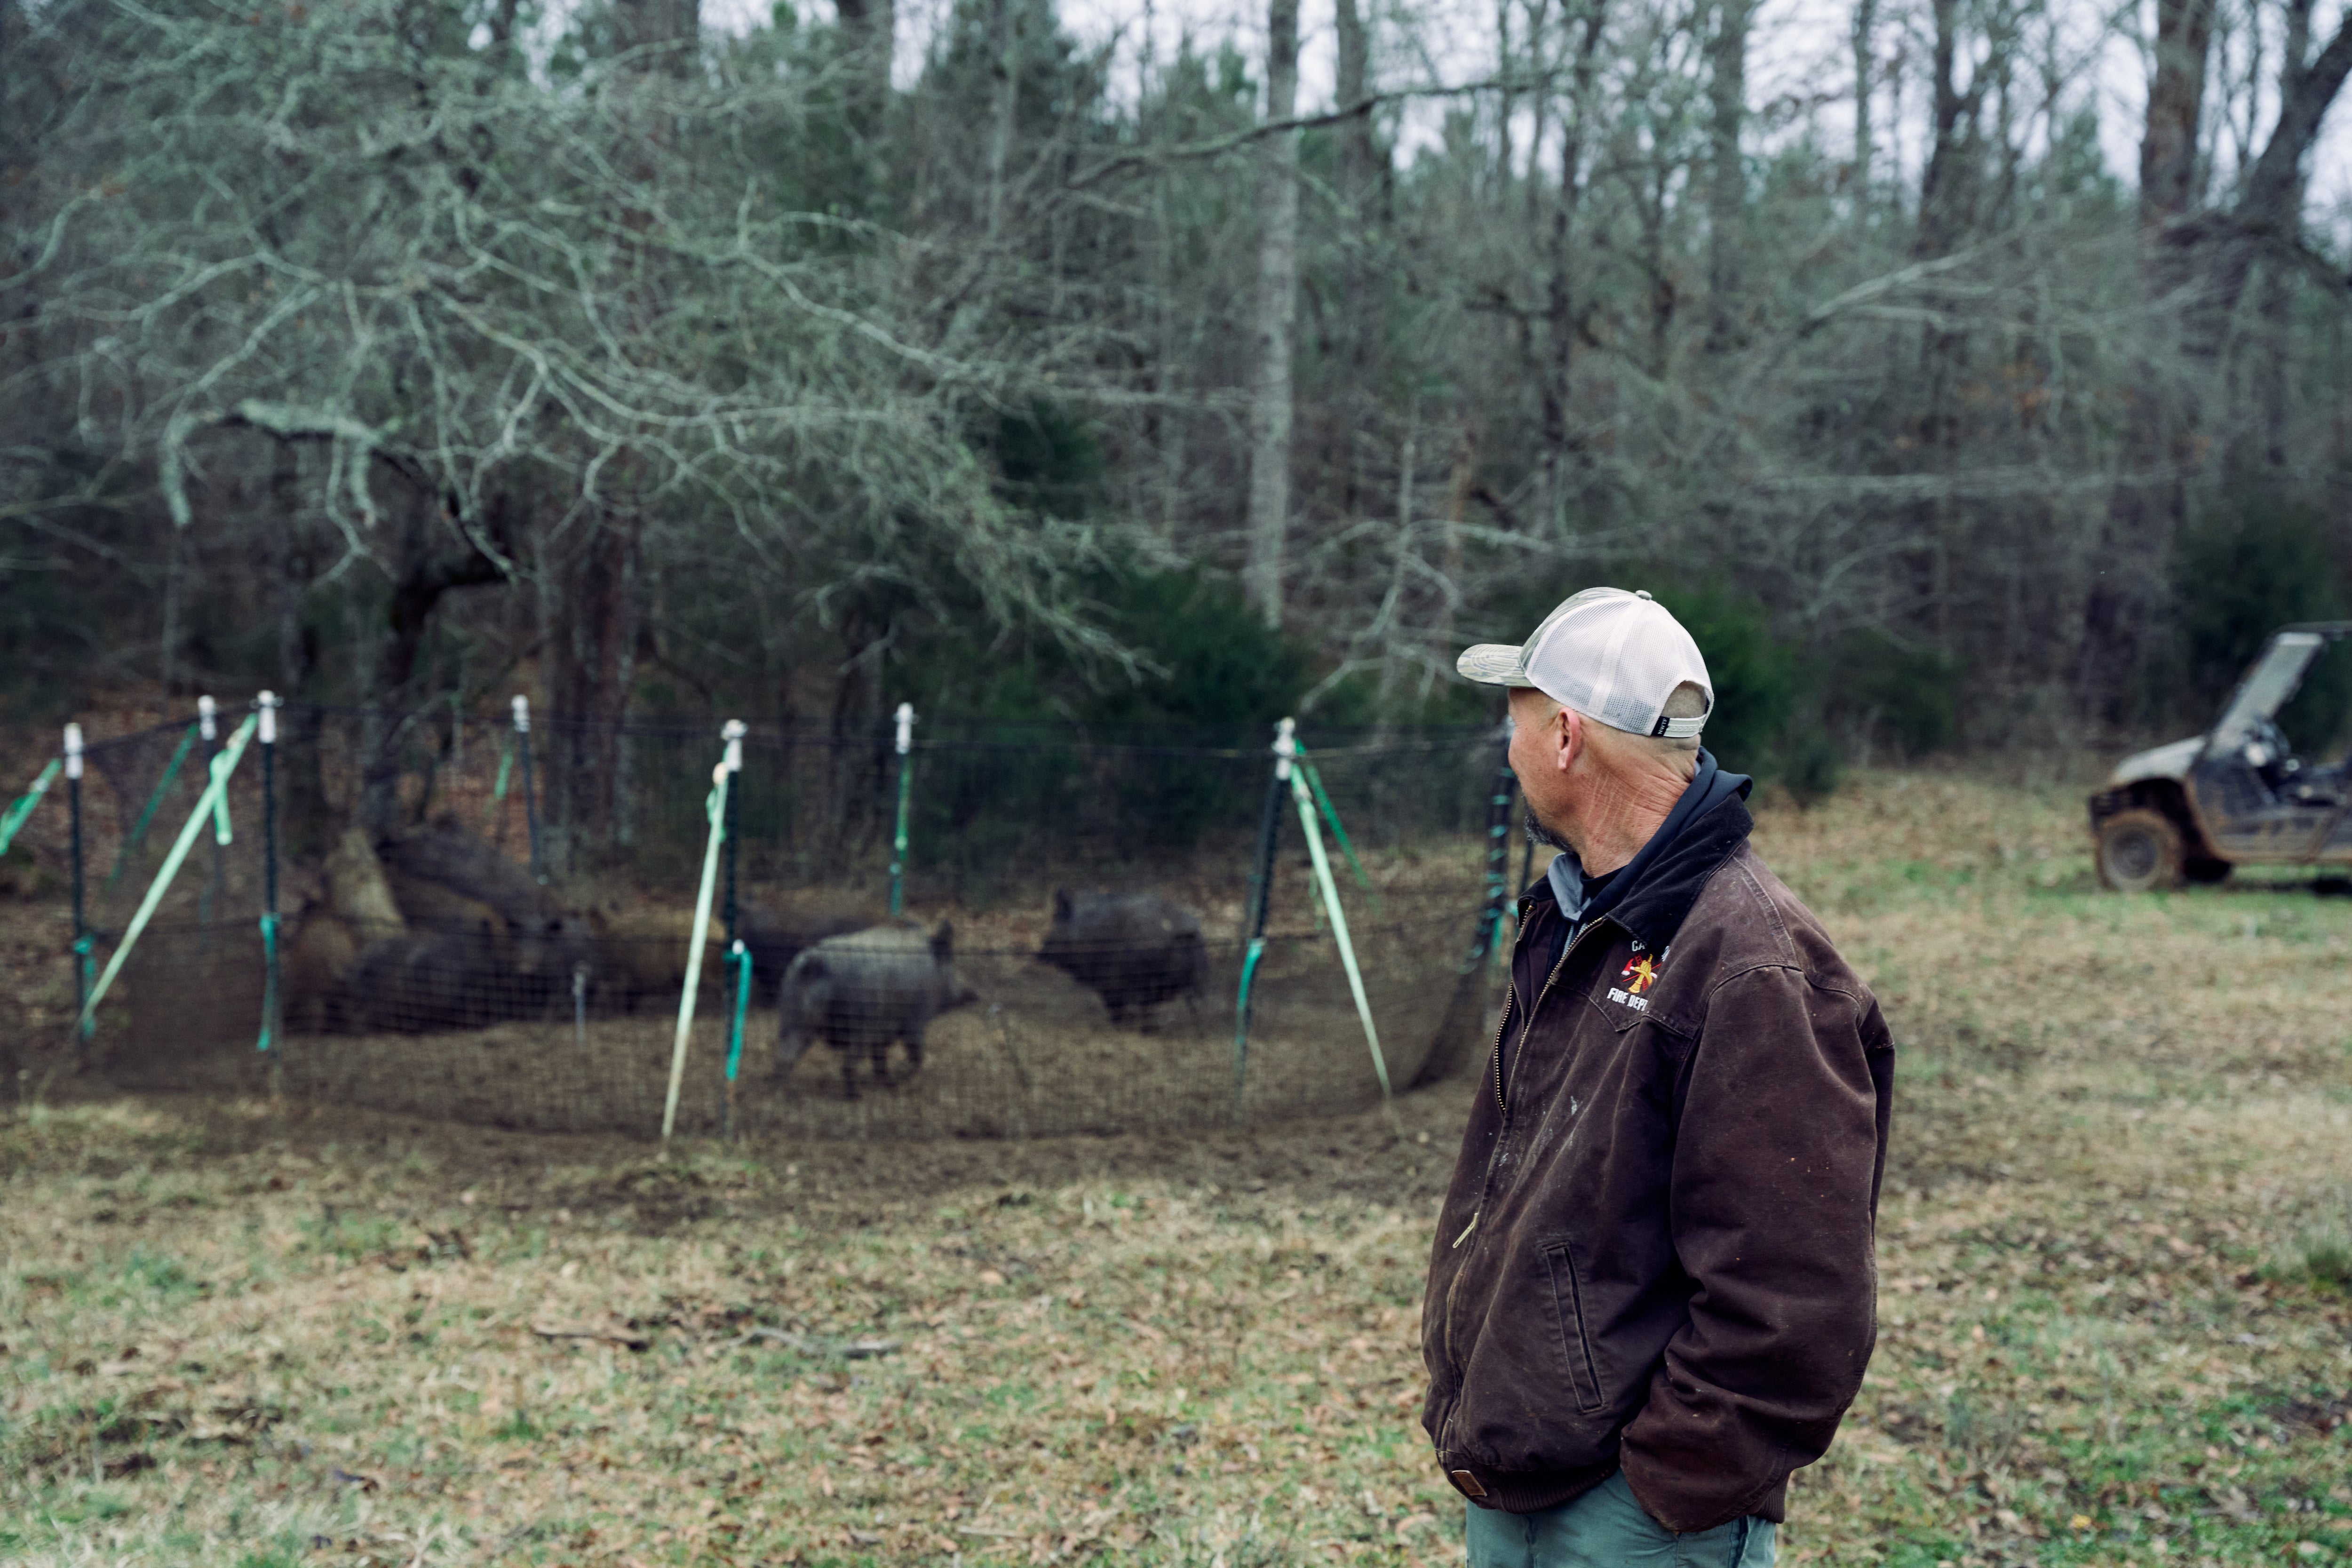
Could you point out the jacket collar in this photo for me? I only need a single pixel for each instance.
(1653, 909)
(1653, 906)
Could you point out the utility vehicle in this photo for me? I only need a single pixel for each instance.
(2235, 795)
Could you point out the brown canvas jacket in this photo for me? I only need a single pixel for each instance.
(1657, 1252)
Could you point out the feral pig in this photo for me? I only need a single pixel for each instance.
(447, 855)
(862, 991)
(452, 979)
(1134, 949)
(777, 932)
(450, 883)
(642, 954)
(316, 971)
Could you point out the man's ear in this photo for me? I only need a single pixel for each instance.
(1570, 744)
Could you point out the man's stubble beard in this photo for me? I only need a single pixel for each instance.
(1543, 832)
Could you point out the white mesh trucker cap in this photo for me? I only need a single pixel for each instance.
(1610, 654)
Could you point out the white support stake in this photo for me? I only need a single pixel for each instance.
(719, 776)
(222, 767)
(1329, 888)
(208, 724)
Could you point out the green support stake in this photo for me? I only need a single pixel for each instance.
(222, 767)
(491, 813)
(12, 821)
(906, 717)
(1331, 816)
(1328, 886)
(138, 834)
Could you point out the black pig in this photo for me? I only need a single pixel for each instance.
(1134, 949)
(862, 991)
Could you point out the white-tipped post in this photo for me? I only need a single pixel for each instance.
(1285, 747)
(732, 733)
(522, 715)
(906, 717)
(73, 751)
(267, 705)
(208, 718)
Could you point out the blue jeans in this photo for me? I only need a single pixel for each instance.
(1606, 1528)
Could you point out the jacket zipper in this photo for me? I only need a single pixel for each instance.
(1503, 1128)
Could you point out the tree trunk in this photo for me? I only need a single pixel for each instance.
(1362, 186)
(1555, 361)
(1727, 97)
(1947, 185)
(1277, 305)
(306, 820)
(1865, 23)
(869, 30)
(589, 661)
(667, 31)
(429, 566)
(1004, 93)
(2176, 103)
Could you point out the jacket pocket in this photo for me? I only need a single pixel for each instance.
(1568, 1308)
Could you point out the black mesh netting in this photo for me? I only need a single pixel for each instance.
(1068, 956)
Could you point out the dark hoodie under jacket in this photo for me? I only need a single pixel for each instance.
(1658, 1253)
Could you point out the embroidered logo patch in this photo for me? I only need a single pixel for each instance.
(1641, 973)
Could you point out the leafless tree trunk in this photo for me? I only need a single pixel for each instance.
(1278, 302)
(592, 637)
(869, 27)
(1946, 188)
(1866, 26)
(1004, 101)
(2176, 103)
(1727, 97)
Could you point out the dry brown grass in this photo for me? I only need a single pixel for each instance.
(2114, 1258)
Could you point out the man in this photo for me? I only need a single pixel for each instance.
(1652, 1290)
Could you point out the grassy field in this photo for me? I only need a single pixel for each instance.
(2115, 1291)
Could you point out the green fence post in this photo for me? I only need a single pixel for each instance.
(208, 727)
(906, 717)
(530, 796)
(1269, 830)
(271, 1007)
(82, 925)
(732, 731)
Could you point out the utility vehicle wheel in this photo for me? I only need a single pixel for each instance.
(2139, 852)
(2211, 873)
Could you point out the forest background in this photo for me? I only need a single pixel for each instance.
(403, 354)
